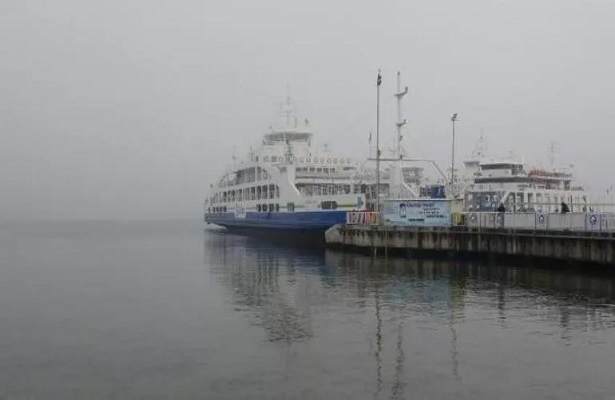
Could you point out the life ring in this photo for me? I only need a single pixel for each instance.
(593, 219)
(541, 218)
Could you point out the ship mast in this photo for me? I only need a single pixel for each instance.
(400, 124)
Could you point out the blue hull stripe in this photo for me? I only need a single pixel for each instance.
(316, 220)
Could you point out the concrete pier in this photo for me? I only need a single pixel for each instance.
(457, 241)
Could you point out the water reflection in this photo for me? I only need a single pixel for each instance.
(415, 319)
(574, 300)
(262, 279)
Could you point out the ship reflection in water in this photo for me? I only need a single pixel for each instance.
(346, 325)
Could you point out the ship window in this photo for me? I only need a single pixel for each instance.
(277, 208)
(258, 207)
(290, 207)
(274, 158)
(328, 205)
(277, 192)
(271, 208)
(271, 191)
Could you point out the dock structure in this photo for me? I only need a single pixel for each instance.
(577, 238)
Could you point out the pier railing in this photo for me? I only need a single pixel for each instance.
(596, 222)
(599, 222)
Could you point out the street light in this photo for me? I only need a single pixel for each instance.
(378, 83)
(453, 120)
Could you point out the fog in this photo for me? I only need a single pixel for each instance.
(129, 109)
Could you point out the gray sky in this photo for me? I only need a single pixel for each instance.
(128, 109)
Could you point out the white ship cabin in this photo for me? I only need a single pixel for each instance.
(286, 174)
(507, 182)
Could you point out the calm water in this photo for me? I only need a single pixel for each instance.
(169, 311)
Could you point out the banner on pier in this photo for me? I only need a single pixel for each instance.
(417, 212)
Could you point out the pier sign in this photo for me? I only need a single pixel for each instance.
(429, 212)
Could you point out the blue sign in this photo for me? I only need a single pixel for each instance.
(417, 212)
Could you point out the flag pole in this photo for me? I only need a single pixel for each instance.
(378, 82)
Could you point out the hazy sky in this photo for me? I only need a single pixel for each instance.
(128, 109)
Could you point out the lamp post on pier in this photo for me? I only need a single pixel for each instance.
(378, 83)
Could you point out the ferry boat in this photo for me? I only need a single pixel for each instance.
(489, 183)
(288, 185)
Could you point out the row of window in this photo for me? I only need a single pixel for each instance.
(252, 193)
(243, 176)
(320, 189)
(318, 170)
(321, 160)
(274, 207)
(328, 160)
(259, 207)
(268, 207)
(325, 205)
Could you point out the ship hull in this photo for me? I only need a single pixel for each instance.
(302, 227)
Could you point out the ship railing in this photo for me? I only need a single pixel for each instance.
(577, 221)
(362, 218)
